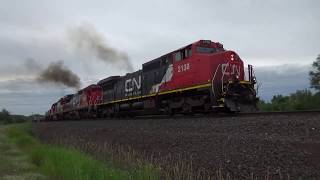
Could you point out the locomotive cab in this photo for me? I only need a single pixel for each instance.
(231, 90)
(207, 64)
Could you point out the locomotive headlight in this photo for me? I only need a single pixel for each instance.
(232, 57)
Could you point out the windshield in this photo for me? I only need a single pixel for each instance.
(205, 50)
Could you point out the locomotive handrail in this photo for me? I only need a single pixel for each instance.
(213, 78)
(223, 73)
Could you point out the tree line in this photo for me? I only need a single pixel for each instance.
(301, 99)
(7, 118)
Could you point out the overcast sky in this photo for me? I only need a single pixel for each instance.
(280, 38)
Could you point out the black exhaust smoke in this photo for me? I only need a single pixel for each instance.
(85, 37)
(59, 74)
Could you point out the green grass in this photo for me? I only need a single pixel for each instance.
(15, 163)
(61, 163)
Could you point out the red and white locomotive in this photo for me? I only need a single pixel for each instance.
(202, 76)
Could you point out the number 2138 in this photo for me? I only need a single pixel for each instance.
(183, 67)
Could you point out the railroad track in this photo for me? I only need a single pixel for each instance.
(200, 115)
(280, 113)
(213, 115)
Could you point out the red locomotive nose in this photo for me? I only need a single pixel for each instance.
(233, 66)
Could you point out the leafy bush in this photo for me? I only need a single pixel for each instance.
(5, 117)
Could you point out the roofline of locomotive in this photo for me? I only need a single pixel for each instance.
(172, 52)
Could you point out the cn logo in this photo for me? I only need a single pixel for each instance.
(131, 83)
(228, 69)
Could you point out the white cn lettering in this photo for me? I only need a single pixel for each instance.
(224, 69)
(131, 83)
(137, 84)
(235, 70)
(127, 85)
(228, 69)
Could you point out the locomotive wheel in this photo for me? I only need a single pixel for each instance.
(207, 108)
(170, 111)
(186, 109)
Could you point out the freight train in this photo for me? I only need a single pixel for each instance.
(200, 77)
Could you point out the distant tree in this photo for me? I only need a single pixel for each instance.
(5, 113)
(315, 74)
(5, 116)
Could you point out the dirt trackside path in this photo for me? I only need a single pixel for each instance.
(14, 164)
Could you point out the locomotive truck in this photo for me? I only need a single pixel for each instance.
(200, 77)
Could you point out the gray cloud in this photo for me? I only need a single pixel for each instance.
(17, 85)
(284, 79)
(25, 96)
(27, 103)
(28, 67)
(31, 65)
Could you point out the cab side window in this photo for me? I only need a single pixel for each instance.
(183, 54)
(166, 60)
(187, 52)
(178, 56)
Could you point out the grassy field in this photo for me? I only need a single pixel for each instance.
(15, 163)
(22, 154)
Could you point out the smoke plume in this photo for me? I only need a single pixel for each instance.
(59, 74)
(86, 37)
